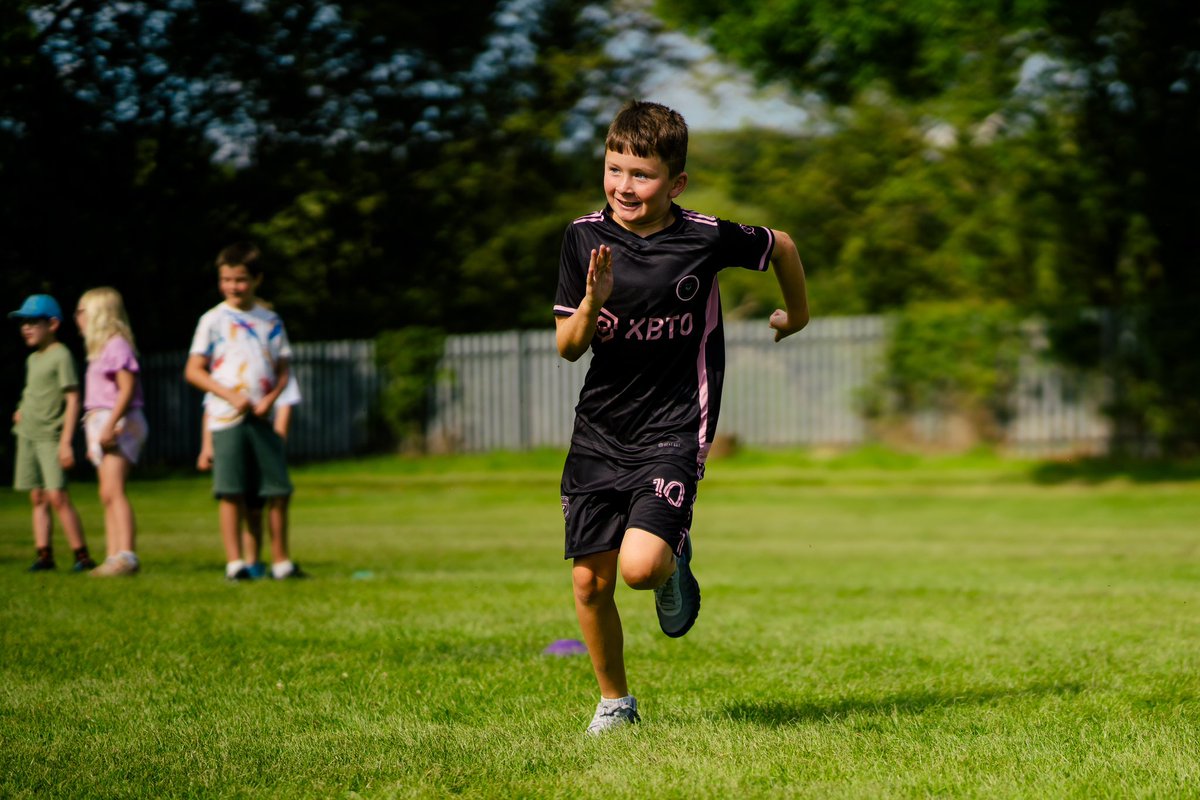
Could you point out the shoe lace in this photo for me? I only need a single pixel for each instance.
(669, 598)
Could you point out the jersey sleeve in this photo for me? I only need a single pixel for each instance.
(746, 246)
(202, 339)
(572, 274)
(280, 345)
(68, 378)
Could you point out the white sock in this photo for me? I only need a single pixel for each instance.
(615, 701)
(281, 569)
(232, 567)
(129, 556)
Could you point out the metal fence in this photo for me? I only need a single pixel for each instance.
(339, 388)
(512, 391)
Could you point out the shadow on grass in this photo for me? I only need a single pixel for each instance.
(781, 713)
(1092, 471)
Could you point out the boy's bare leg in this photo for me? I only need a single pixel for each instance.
(60, 499)
(277, 519)
(229, 513)
(646, 560)
(594, 578)
(252, 538)
(43, 523)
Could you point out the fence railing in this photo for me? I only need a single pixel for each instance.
(511, 391)
(338, 385)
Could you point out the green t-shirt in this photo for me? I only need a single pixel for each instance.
(48, 375)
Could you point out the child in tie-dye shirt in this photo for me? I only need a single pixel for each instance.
(239, 357)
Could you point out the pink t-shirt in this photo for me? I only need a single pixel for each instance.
(101, 388)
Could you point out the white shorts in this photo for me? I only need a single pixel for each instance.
(131, 433)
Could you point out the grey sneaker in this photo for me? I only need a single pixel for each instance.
(678, 600)
(613, 714)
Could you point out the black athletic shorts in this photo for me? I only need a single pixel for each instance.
(601, 500)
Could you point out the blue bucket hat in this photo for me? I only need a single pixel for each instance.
(38, 306)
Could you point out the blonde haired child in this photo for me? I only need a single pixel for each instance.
(113, 421)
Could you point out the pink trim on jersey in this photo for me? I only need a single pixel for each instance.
(703, 219)
(595, 216)
(712, 313)
(766, 259)
(564, 310)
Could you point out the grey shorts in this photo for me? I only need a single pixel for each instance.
(37, 466)
(249, 461)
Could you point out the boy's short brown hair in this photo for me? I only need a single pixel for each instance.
(646, 129)
(240, 254)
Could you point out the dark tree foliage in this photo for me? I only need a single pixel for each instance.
(400, 164)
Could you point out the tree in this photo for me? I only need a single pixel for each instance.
(399, 165)
(1063, 179)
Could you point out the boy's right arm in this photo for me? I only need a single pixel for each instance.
(790, 274)
(66, 449)
(204, 460)
(574, 333)
(196, 373)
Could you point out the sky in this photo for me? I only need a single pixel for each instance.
(713, 95)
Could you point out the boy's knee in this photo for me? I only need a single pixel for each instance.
(591, 591)
(644, 575)
(58, 498)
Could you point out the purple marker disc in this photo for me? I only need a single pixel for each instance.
(565, 647)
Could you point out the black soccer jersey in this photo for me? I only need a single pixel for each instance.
(653, 389)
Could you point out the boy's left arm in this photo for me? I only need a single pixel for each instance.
(790, 274)
(264, 406)
(66, 451)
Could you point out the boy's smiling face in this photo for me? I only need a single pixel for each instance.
(238, 286)
(640, 191)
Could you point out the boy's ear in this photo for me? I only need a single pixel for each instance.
(54, 322)
(679, 185)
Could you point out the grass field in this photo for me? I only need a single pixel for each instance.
(873, 626)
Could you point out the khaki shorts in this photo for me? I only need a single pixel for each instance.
(131, 433)
(37, 466)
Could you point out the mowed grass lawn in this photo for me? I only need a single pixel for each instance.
(873, 626)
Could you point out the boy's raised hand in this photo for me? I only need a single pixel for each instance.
(599, 276)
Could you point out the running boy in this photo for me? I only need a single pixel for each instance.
(239, 357)
(638, 285)
(44, 425)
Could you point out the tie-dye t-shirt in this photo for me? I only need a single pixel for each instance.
(242, 348)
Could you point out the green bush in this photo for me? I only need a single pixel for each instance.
(407, 360)
(951, 358)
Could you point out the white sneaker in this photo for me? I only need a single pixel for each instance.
(114, 566)
(612, 714)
